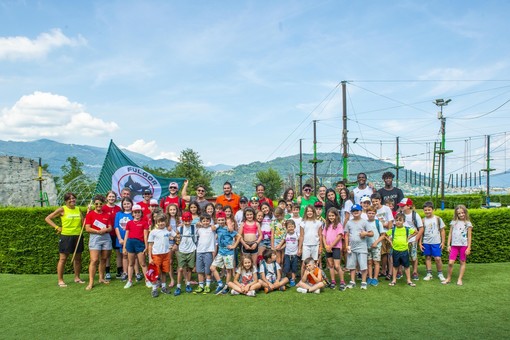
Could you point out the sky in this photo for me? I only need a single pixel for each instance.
(243, 81)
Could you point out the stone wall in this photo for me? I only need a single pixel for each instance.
(18, 184)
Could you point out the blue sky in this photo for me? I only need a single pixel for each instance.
(241, 81)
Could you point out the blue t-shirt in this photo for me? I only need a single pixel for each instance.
(225, 238)
(121, 219)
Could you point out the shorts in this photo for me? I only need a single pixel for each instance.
(290, 264)
(226, 261)
(413, 250)
(432, 250)
(400, 258)
(357, 259)
(67, 244)
(162, 261)
(385, 247)
(186, 260)
(459, 251)
(374, 254)
(100, 242)
(250, 251)
(114, 241)
(204, 261)
(265, 243)
(134, 245)
(335, 254)
(310, 251)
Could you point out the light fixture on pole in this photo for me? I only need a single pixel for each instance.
(440, 103)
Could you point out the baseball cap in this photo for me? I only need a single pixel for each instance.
(244, 199)
(221, 214)
(152, 273)
(356, 207)
(147, 191)
(365, 199)
(153, 201)
(173, 184)
(186, 216)
(136, 207)
(255, 199)
(404, 202)
(318, 204)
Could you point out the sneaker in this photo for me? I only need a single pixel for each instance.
(292, 283)
(219, 289)
(155, 293)
(301, 290)
(332, 285)
(165, 290)
(358, 276)
(198, 290)
(188, 289)
(234, 292)
(123, 277)
(107, 276)
(388, 277)
(416, 277)
(342, 286)
(364, 285)
(129, 284)
(207, 290)
(251, 293)
(282, 288)
(148, 284)
(375, 282)
(428, 277)
(351, 285)
(441, 277)
(318, 291)
(399, 275)
(177, 292)
(118, 276)
(139, 277)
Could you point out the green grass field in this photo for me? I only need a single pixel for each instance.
(34, 307)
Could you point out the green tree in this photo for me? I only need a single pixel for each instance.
(158, 171)
(272, 181)
(191, 167)
(71, 169)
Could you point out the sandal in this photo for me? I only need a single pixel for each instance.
(62, 285)
(392, 284)
(80, 281)
(104, 282)
(411, 284)
(88, 288)
(445, 282)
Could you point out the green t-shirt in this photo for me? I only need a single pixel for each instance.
(305, 203)
(400, 238)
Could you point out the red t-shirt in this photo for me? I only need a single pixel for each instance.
(175, 200)
(136, 229)
(145, 208)
(98, 221)
(267, 200)
(111, 211)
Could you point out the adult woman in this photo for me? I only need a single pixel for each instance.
(112, 209)
(99, 225)
(289, 194)
(321, 194)
(70, 239)
(331, 200)
(345, 204)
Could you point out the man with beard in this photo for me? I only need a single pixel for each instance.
(389, 191)
(229, 198)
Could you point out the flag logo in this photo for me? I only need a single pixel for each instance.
(136, 179)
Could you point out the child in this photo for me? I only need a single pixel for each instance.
(356, 230)
(174, 219)
(319, 208)
(159, 251)
(399, 236)
(332, 238)
(459, 242)
(282, 204)
(205, 250)
(385, 216)
(265, 226)
(277, 233)
(187, 252)
(374, 247)
(254, 203)
(135, 244)
(390, 203)
(251, 235)
(243, 204)
(270, 273)
(311, 282)
(121, 219)
(194, 209)
(290, 242)
(413, 220)
(310, 236)
(228, 239)
(432, 241)
(245, 281)
(296, 207)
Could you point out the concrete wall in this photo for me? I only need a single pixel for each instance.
(18, 186)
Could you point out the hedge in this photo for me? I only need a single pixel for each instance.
(473, 201)
(29, 246)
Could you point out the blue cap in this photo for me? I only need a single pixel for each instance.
(356, 207)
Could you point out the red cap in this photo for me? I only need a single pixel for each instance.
(186, 216)
(152, 273)
(404, 202)
(221, 214)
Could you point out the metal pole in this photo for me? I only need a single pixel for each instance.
(315, 156)
(443, 142)
(40, 179)
(345, 154)
(300, 164)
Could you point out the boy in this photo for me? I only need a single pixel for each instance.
(186, 253)
(385, 216)
(270, 273)
(159, 251)
(290, 258)
(205, 249)
(432, 241)
(228, 239)
(254, 203)
(399, 236)
(365, 203)
(318, 210)
(413, 220)
(356, 230)
(243, 204)
(390, 203)
(295, 216)
(374, 246)
(311, 282)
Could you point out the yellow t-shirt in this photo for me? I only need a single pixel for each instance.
(71, 221)
(400, 238)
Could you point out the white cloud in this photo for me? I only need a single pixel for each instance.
(43, 115)
(151, 149)
(14, 48)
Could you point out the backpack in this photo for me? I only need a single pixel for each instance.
(393, 232)
(193, 234)
(264, 264)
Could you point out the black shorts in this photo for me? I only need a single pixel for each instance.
(67, 244)
(114, 243)
(335, 254)
(400, 258)
(290, 264)
(250, 251)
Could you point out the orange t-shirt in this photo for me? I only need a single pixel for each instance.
(233, 202)
(315, 273)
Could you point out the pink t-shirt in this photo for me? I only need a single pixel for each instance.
(331, 234)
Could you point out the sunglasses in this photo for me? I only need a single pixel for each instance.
(154, 205)
(200, 190)
(98, 204)
(146, 194)
(172, 187)
(307, 190)
(137, 212)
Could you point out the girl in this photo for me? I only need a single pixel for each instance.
(332, 239)
(288, 195)
(112, 209)
(245, 281)
(345, 205)
(194, 209)
(459, 242)
(121, 219)
(230, 220)
(154, 209)
(259, 216)
(265, 226)
(331, 201)
(211, 211)
(135, 244)
(174, 219)
(278, 234)
(310, 236)
(251, 235)
(321, 196)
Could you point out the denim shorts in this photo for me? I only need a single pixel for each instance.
(134, 245)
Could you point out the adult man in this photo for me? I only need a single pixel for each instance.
(389, 191)
(306, 199)
(228, 197)
(173, 197)
(260, 190)
(362, 189)
(146, 202)
(199, 198)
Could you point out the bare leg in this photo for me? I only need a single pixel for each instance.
(94, 260)
(461, 272)
(61, 267)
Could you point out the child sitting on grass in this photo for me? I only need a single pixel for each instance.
(399, 236)
(311, 282)
(246, 281)
(270, 273)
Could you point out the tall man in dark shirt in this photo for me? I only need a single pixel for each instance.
(389, 191)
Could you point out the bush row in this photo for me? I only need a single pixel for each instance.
(473, 201)
(29, 246)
